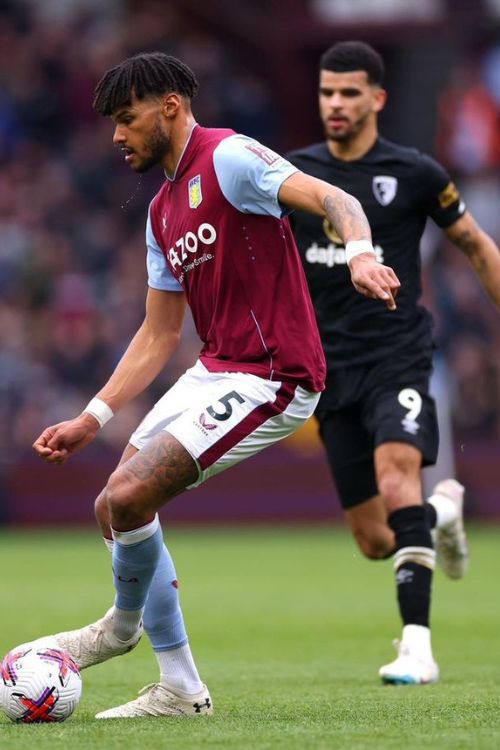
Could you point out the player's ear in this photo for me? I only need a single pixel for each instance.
(170, 104)
(380, 99)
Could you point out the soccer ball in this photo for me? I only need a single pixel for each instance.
(39, 684)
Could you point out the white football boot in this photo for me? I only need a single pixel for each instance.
(452, 553)
(415, 664)
(157, 700)
(92, 644)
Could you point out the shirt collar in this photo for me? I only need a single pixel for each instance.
(188, 140)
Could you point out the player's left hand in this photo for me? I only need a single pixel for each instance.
(372, 279)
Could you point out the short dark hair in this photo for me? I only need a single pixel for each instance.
(344, 57)
(145, 74)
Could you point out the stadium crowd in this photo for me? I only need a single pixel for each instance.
(72, 271)
(468, 143)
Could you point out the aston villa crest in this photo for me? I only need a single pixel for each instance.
(385, 188)
(194, 191)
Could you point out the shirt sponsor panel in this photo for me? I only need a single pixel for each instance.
(334, 255)
(188, 244)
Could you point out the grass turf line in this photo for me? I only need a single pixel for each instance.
(288, 627)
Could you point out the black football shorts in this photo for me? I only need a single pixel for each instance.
(367, 406)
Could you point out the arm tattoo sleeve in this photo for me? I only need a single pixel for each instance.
(345, 213)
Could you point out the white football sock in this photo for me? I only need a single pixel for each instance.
(109, 544)
(418, 640)
(178, 670)
(126, 622)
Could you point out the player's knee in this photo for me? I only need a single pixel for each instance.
(391, 487)
(101, 511)
(100, 507)
(122, 500)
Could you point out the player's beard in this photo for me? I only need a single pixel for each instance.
(156, 148)
(350, 133)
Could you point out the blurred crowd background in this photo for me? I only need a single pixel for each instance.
(72, 215)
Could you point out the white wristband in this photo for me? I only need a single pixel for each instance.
(100, 410)
(356, 247)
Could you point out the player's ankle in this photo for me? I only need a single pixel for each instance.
(125, 622)
(182, 688)
(178, 671)
(446, 510)
(418, 639)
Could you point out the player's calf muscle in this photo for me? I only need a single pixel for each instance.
(375, 540)
(375, 547)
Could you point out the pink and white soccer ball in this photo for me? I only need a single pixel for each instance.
(39, 684)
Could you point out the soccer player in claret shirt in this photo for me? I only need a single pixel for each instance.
(217, 239)
(377, 420)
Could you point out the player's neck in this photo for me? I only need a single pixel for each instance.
(179, 137)
(355, 148)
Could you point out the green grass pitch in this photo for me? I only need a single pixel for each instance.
(288, 627)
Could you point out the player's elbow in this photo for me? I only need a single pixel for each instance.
(353, 204)
(162, 340)
(172, 340)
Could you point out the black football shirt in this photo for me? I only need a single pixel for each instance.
(398, 187)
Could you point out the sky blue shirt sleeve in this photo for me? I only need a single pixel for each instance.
(250, 175)
(159, 274)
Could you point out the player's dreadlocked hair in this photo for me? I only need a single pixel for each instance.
(148, 73)
(344, 57)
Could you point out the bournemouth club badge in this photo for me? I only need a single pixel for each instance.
(194, 190)
(385, 188)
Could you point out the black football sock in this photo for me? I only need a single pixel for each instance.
(430, 515)
(413, 562)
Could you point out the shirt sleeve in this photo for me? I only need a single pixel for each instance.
(250, 175)
(442, 198)
(159, 274)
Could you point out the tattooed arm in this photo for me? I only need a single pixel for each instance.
(344, 211)
(481, 251)
(147, 354)
(309, 194)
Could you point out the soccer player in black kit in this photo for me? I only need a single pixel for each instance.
(377, 420)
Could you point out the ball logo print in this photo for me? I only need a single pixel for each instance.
(63, 660)
(8, 667)
(37, 709)
(39, 685)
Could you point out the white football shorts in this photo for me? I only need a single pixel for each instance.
(223, 417)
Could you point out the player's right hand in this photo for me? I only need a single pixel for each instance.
(56, 444)
(373, 279)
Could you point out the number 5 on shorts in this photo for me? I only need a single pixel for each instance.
(225, 401)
